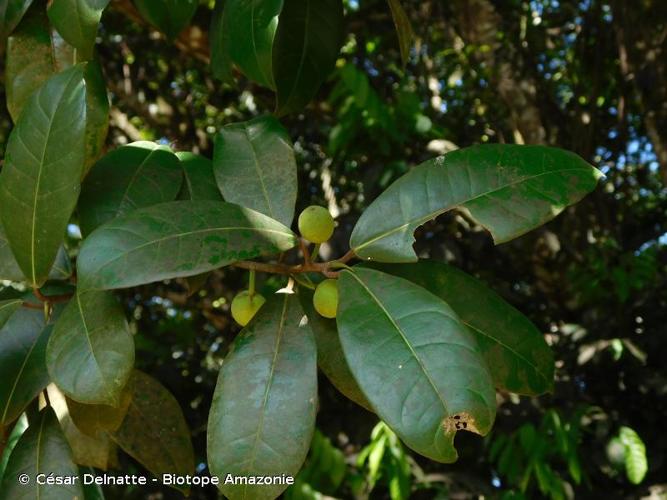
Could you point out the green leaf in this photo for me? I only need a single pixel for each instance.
(35, 53)
(39, 184)
(636, 464)
(17, 431)
(221, 60)
(11, 12)
(515, 351)
(42, 449)
(23, 371)
(93, 419)
(396, 334)
(154, 431)
(177, 239)
(97, 113)
(97, 450)
(308, 40)
(137, 175)
(263, 412)
(77, 21)
(508, 189)
(403, 29)
(169, 16)
(199, 178)
(8, 308)
(330, 356)
(9, 269)
(90, 355)
(251, 29)
(255, 167)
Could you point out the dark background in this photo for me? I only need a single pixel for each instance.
(589, 76)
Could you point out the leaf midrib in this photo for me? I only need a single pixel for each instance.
(421, 220)
(18, 377)
(404, 338)
(180, 235)
(260, 425)
(92, 351)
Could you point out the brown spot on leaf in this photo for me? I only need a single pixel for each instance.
(460, 422)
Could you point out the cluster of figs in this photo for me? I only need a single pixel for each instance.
(315, 225)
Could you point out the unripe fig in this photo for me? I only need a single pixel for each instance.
(244, 307)
(325, 298)
(316, 224)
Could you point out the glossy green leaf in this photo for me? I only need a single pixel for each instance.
(255, 167)
(9, 268)
(177, 239)
(8, 308)
(263, 412)
(34, 54)
(39, 184)
(515, 351)
(94, 451)
(636, 464)
(42, 449)
(90, 355)
(154, 431)
(11, 12)
(77, 21)
(508, 189)
(251, 27)
(403, 29)
(169, 16)
(330, 356)
(17, 431)
(23, 371)
(308, 40)
(221, 59)
(137, 175)
(199, 181)
(397, 335)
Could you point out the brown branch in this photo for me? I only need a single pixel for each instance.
(52, 299)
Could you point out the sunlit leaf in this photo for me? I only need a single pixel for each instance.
(36, 52)
(515, 351)
(93, 451)
(177, 239)
(255, 167)
(137, 175)
(397, 335)
(263, 412)
(636, 464)
(39, 184)
(508, 189)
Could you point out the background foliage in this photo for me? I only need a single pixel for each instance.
(588, 76)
